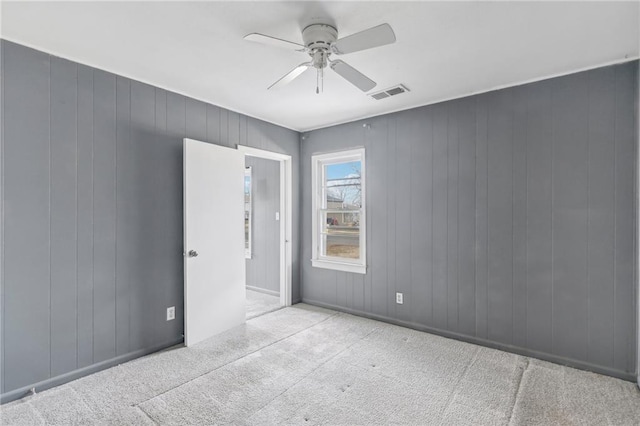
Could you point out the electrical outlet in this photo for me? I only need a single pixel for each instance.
(277, 215)
(399, 298)
(171, 313)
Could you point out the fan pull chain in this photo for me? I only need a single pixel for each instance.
(317, 78)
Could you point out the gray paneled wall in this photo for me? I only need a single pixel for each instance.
(263, 269)
(638, 230)
(92, 212)
(507, 218)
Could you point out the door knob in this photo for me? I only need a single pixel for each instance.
(193, 253)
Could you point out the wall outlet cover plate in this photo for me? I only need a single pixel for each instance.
(171, 313)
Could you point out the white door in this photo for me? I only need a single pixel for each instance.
(214, 265)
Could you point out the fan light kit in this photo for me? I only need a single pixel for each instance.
(320, 42)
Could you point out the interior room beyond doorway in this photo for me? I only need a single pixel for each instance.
(262, 235)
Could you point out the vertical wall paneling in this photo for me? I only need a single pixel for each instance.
(233, 126)
(625, 146)
(358, 291)
(176, 131)
(500, 211)
(466, 218)
(519, 235)
(482, 217)
(166, 151)
(143, 167)
(104, 216)
(84, 213)
(405, 133)
(539, 209)
(224, 128)
(377, 191)
(196, 116)
(569, 220)
(213, 124)
(1, 221)
(367, 282)
(159, 207)
(453, 151)
(92, 191)
(601, 220)
(637, 219)
(253, 133)
(26, 216)
(440, 173)
(63, 216)
(506, 217)
(392, 200)
(420, 193)
(125, 193)
(153, 209)
(343, 293)
(92, 176)
(243, 129)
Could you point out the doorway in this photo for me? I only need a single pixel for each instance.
(268, 210)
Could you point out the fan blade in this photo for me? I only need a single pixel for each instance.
(353, 76)
(373, 37)
(292, 75)
(272, 41)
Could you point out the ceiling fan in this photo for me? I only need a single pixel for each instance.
(320, 42)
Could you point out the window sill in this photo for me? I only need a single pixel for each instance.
(339, 266)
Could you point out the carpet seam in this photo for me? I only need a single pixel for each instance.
(312, 371)
(146, 414)
(90, 406)
(518, 391)
(234, 360)
(381, 374)
(22, 401)
(462, 376)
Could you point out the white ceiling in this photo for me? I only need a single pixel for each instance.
(443, 50)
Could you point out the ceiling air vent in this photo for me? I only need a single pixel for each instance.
(379, 95)
(392, 91)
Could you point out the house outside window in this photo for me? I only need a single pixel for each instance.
(339, 240)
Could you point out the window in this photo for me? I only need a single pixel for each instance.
(339, 211)
(247, 212)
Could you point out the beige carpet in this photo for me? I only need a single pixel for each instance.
(306, 365)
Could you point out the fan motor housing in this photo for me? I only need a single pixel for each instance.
(319, 36)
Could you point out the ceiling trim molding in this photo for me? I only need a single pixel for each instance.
(347, 121)
(140, 80)
(492, 89)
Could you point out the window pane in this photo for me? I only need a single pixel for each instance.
(341, 234)
(342, 186)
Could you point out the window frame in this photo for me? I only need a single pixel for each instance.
(318, 161)
(248, 172)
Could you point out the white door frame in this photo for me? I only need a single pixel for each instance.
(286, 216)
